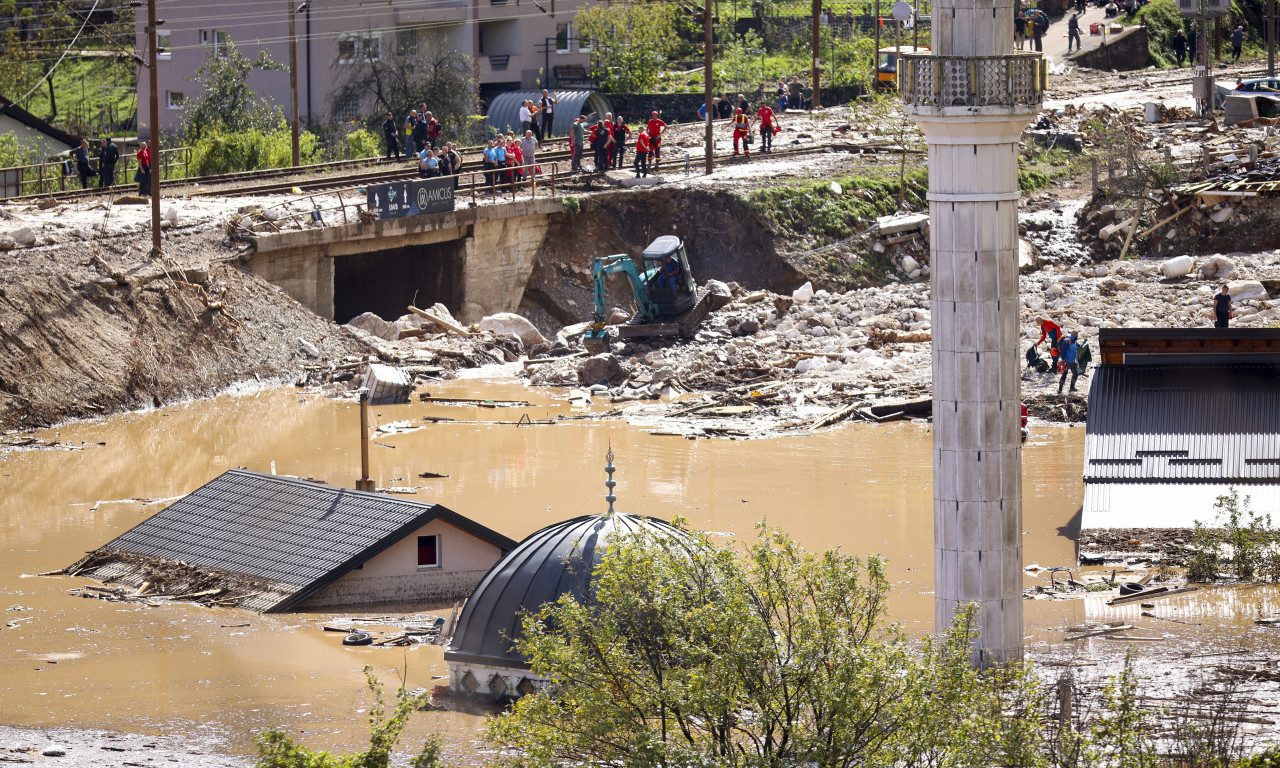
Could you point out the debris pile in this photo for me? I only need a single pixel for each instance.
(906, 239)
(161, 579)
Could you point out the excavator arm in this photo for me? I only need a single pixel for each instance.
(596, 339)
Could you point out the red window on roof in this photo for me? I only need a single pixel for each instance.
(428, 551)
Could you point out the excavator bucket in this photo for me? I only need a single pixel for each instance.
(596, 344)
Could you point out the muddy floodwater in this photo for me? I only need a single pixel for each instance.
(220, 675)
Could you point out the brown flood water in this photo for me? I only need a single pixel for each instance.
(191, 670)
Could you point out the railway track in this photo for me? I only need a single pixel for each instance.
(356, 171)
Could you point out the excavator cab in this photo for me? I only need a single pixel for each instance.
(667, 279)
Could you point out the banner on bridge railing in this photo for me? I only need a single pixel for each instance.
(412, 198)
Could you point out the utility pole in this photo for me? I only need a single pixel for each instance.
(817, 95)
(708, 79)
(293, 80)
(155, 128)
(364, 483)
(1271, 38)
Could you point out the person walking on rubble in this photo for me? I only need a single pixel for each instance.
(1073, 32)
(655, 127)
(1053, 332)
(1237, 43)
(1179, 43)
(1067, 354)
(741, 132)
(1222, 308)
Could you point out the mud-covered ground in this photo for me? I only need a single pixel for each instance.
(82, 748)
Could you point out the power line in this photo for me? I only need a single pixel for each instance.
(22, 98)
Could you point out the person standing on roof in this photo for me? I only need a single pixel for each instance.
(1053, 332)
(741, 132)
(1067, 353)
(1222, 308)
(767, 128)
(655, 127)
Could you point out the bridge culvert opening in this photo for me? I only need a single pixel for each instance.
(386, 282)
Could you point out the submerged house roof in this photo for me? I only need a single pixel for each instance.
(1164, 441)
(287, 537)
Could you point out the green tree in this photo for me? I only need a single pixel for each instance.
(689, 654)
(631, 41)
(276, 749)
(225, 101)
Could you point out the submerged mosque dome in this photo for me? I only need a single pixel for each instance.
(557, 560)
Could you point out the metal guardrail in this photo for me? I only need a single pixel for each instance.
(43, 178)
(1013, 80)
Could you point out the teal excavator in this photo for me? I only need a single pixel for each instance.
(668, 302)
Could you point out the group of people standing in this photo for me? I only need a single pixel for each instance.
(108, 156)
(538, 115)
(1066, 353)
(1034, 23)
(608, 140)
(509, 159)
(421, 130)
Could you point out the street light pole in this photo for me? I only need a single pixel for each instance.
(293, 79)
(154, 117)
(708, 79)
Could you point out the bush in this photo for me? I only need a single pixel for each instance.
(277, 749)
(358, 145)
(1251, 542)
(218, 151)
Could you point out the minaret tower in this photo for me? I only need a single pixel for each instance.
(972, 95)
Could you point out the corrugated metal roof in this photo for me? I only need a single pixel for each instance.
(504, 110)
(1168, 505)
(557, 560)
(295, 533)
(1213, 424)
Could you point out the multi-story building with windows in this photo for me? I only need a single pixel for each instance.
(515, 44)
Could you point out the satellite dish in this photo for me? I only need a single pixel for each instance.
(901, 10)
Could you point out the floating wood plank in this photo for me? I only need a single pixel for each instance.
(1151, 594)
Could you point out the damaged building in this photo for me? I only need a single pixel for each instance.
(272, 544)
(1177, 418)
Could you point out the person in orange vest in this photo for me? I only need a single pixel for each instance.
(767, 128)
(741, 131)
(655, 127)
(642, 153)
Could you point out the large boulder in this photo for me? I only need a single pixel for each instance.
(373, 325)
(1244, 290)
(1218, 268)
(24, 236)
(803, 294)
(603, 367)
(514, 325)
(1177, 266)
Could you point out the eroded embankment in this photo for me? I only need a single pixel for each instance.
(96, 331)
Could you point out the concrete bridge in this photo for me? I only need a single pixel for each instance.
(476, 261)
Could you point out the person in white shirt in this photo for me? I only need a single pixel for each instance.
(526, 116)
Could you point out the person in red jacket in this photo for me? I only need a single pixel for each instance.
(741, 130)
(655, 129)
(1053, 332)
(767, 129)
(143, 175)
(642, 153)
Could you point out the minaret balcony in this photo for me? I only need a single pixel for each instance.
(1013, 82)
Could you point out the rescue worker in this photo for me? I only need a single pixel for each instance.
(767, 128)
(1053, 332)
(642, 153)
(655, 127)
(741, 131)
(1067, 353)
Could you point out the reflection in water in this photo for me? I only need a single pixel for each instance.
(866, 489)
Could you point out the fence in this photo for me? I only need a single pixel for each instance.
(44, 178)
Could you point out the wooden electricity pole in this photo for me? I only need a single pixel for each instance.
(293, 80)
(708, 79)
(154, 117)
(817, 95)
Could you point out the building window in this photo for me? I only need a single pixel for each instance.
(429, 551)
(347, 110)
(221, 43)
(564, 36)
(204, 37)
(407, 41)
(352, 47)
(164, 45)
(174, 99)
